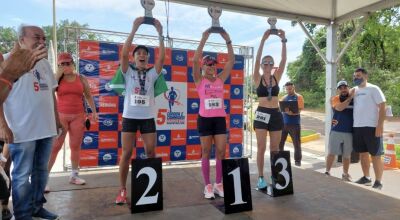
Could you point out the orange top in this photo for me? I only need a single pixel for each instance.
(70, 96)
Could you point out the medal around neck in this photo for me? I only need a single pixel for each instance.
(272, 23)
(148, 5)
(215, 13)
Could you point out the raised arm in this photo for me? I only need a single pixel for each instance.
(124, 61)
(256, 73)
(161, 56)
(196, 57)
(231, 57)
(18, 63)
(278, 73)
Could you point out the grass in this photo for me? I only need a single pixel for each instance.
(307, 132)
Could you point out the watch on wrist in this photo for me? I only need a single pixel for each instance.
(284, 40)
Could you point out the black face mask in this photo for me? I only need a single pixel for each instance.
(343, 98)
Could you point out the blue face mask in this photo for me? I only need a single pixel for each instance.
(357, 81)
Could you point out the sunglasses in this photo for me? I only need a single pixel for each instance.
(210, 64)
(65, 64)
(268, 63)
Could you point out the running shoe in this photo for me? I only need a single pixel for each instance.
(121, 198)
(261, 184)
(208, 192)
(364, 181)
(219, 189)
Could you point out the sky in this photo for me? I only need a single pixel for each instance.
(185, 22)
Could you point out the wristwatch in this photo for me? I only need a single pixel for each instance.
(284, 40)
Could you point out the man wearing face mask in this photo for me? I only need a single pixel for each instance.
(369, 115)
(29, 123)
(341, 137)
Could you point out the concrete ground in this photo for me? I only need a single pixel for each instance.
(316, 196)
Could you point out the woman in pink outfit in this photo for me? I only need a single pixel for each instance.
(71, 91)
(211, 121)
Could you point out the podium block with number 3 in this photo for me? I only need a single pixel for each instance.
(282, 182)
(146, 193)
(236, 180)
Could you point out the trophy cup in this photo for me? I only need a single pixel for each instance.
(272, 22)
(215, 13)
(148, 5)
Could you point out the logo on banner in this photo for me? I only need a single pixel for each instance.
(179, 58)
(177, 153)
(236, 150)
(107, 87)
(194, 105)
(142, 155)
(172, 96)
(108, 122)
(162, 138)
(172, 107)
(107, 52)
(87, 140)
(236, 91)
(89, 67)
(236, 121)
(107, 157)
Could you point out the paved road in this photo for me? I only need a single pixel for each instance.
(315, 121)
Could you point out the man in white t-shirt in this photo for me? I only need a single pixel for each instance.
(369, 115)
(29, 123)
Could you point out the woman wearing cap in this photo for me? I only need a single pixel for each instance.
(139, 106)
(71, 91)
(211, 121)
(268, 118)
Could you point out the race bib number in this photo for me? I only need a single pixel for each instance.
(140, 100)
(263, 117)
(213, 104)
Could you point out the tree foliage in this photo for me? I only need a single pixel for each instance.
(376, 49)
(8, 36)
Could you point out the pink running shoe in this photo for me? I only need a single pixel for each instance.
(121, 198)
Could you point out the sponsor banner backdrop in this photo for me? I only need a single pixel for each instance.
(176, 109)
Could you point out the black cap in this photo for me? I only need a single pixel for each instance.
(140, 47)
(289, 84)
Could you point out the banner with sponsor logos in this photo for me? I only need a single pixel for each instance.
(177, 109)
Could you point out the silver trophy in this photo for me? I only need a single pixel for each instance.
(272, 22)
(148, 5)
(215, 13)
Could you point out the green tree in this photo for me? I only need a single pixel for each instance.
(69, 38)
(376, 49)
(7, 38)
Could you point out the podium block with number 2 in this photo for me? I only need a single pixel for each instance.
(282, 182)
(146, 193)
(236, 180)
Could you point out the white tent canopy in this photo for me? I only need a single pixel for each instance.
(326, 12)
(312, 11)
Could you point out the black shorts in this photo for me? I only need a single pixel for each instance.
(143, 125)
(211, 126)
(275, 121)
(4, 192)
(364, 140)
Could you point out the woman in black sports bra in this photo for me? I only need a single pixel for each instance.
(267, 117)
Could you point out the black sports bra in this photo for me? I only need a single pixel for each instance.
(262, 91)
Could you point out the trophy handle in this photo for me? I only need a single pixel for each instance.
(148, 20)
(216, 30)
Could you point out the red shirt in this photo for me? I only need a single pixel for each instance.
(70, 96)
